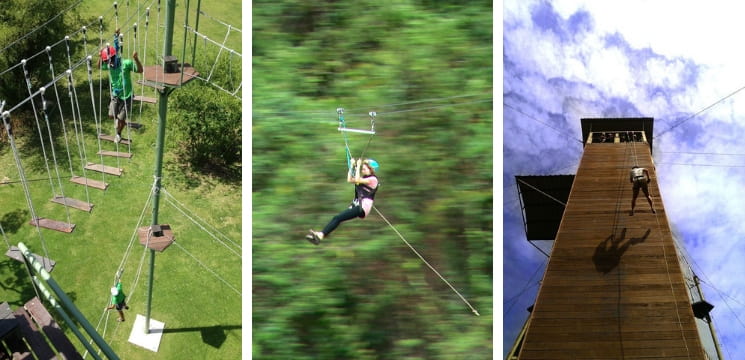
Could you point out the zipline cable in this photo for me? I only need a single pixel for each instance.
(425, 261)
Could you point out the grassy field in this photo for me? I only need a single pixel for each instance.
(197, 280)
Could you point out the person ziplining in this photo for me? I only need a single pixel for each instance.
(365, 186)
(120, 69)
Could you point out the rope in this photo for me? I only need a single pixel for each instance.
(547, 195)
(78, 133)
(54, 155)
(208, 269)
(96, 118)
(425, 261)
(672, 289)
(221, 22)
(21, 174)
(40, 26)
(27, 77)
(181, 210)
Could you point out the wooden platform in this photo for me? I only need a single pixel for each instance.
(145, 99)
(53, 225)
(34, 334)
(104, 169)
(134, 125)
(15, 254)
(111, 138)
(157, 243)
(74, 203)
(89, 182)
(613, 287)
(115, 154)
(51, 329)
(155, 77)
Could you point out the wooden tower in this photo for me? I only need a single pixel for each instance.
(614, 286)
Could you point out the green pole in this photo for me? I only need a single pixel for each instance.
(162, 108)
(66, 317)
(711, 326)
(196, 28)
(67, 302)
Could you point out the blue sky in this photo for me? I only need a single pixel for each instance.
(680, 62)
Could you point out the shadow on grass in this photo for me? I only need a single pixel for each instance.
(13, 221)
(211, 335)
(191, 178)
(16, 280)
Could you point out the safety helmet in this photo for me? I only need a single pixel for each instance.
(108, 55)
(373, 164)
(114, 291)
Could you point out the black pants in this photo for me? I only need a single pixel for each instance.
(348, 214)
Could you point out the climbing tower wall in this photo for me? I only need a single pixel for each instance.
(613, 287)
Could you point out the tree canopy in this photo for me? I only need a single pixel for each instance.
(426, 69)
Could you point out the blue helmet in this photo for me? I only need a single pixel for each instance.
(373, 164)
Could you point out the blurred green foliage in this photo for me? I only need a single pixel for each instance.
(426, 68)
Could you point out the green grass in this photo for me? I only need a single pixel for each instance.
(202, 314)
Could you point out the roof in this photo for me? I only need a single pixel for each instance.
(645, 124)
(542, 214)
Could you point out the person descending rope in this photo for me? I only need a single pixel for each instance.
(117, 300)
(639, 177)
(121, 81)
(365, 186)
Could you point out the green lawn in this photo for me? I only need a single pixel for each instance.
(197, 281)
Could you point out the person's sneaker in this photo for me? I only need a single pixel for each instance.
(117, 138)
(313, 238)
(126, 307)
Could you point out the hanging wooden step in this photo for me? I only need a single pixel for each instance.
(89, 182)
(77, 204)
(53, 225)
(146, 99)
(115, 154)
(111, 138)
(15, 253)
(104, 169)
(134, 125)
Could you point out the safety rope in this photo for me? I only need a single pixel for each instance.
(425, 261)
(208, 269)
(343, 129)
(6, 121)
(180, 207)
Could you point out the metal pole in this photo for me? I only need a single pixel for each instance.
(711, 325)
(67, 302)
(196, 29)
(162, 108)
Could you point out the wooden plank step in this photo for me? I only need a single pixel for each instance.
(33, 336)
(111, 138)
(51, 329)
(53, 225)
(134, 125)
(15, 254)
(115, 154)
(104, 169)
(146, 99)
(77, 204)
(89, 182)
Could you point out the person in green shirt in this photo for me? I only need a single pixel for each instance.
(120, 77)
(118, 300)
